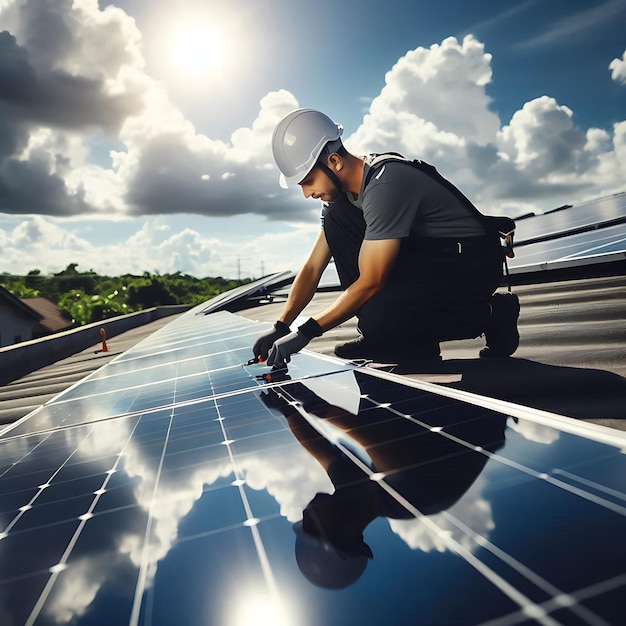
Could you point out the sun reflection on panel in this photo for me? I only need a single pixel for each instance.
(260, 608)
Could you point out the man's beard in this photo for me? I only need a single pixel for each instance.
(333, 194)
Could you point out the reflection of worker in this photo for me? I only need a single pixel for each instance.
(416, 264)
(426, 468)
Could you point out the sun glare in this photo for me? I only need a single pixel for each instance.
(197, 50)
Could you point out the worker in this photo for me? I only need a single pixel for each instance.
(416, 265)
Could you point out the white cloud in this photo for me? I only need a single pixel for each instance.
(38, 242)
(84, 76)
(423, 98)
(618, 69)
(418, 533)
(434, 106)
(292, 477)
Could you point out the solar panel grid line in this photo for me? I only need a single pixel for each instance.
(569, 231)
(589, 215)
(61, 565)
(251, 520)
(198, 340)
(559, 602)
(5, 436)
(593, 250)
(603, 502)
(103, 374)
(78, 426)
(532, 576)
(529, 607)
(613, 493)
(24, 456)
(143, 567)
(591, 259)
(607, 243)
(41, 488)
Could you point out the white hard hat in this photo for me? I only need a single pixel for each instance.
(298, 140)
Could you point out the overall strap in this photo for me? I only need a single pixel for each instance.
(429, 170)
(504, 227)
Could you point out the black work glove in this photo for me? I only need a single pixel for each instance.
(263, 344)
(283, 348)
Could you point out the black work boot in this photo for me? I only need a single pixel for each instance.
(501, 332)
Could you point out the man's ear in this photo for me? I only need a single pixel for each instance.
(335, 162)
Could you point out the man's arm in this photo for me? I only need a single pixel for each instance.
(305, 283)
(300, 295)
(376, 259)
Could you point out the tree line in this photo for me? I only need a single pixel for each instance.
(86, 297)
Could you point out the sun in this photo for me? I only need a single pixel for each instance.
(197, 50)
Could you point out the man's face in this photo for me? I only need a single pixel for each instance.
(317, 185)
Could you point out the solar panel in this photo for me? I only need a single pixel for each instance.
(257, 289)
(602, 245)
(174, 486)
(586, 216)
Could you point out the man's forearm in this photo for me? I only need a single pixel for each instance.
(300, 294)
(346, 305)
(375, 261)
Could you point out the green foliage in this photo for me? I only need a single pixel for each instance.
(18, 287)
(86, 297)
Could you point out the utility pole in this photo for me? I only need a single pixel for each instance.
(238, 269)
(262, 269)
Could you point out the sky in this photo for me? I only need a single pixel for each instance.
(135, 135)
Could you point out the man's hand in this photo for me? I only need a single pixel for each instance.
(283, 348)
(263, 344)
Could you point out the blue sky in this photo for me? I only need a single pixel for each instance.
(126, 149)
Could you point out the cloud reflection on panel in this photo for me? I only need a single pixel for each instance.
(344, 467)
(291, 478)
(385, 465)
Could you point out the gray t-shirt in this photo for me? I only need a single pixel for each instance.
(400, 200)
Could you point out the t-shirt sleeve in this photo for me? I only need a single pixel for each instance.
(388, 208)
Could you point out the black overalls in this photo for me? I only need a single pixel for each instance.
(438, 288)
